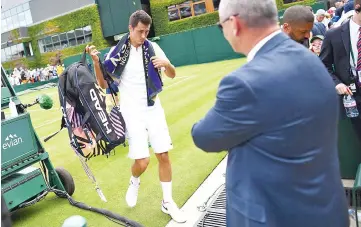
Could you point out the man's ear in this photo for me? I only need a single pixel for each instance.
(286, 27)
(237, 25)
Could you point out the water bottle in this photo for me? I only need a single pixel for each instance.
(350, 106)
(352, 214)
(12, 107)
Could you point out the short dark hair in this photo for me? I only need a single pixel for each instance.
(139, 16)
(298, 14)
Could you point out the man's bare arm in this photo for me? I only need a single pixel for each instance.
(93, 52)
(170, 71)
(160, 63)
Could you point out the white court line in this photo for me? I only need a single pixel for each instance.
(48, 123)
(179, 77)
(189, 77)
(51, 110)
(178, 82)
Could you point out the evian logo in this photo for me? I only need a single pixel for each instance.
(11, 141)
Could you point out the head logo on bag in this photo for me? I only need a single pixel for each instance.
(100, 111)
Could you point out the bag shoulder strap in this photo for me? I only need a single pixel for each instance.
(109, 81)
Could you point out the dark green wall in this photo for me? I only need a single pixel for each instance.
(114, 15)
(349, 150)
(68, 61)
(196, 46)
(190, 47)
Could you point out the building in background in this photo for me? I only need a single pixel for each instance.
(18, 41)
(34, 31)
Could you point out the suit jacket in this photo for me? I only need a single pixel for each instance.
(278, 119)
(335, 54)
(318, 29)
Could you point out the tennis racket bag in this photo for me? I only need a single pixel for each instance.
(92, 130)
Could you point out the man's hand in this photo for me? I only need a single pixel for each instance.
(93, 52)
(98, 72)
(160, 63)
(342, 89)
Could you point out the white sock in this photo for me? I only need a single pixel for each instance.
(135, 180)
(167, 191)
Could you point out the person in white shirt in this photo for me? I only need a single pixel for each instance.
(143, 120)
(321, 17)
(11, 80)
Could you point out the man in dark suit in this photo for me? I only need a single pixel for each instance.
(277, 116)
(297, 23)
(342, 56)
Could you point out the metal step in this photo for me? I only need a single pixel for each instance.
(215, 214)
(349, 197)
(212, 219)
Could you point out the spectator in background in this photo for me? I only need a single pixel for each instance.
(11, 80)
(339, 9)
(316, 44)
(349, 5)
(321, 17)
(59, 69)
(332, 11)
(297, 23)
(319, 29)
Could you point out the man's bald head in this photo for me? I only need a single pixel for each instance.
(298, 22)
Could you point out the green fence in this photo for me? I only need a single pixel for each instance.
(349, 150)
(70, 60)
(196, 46)
(190, 47)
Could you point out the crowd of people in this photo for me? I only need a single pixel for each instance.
(23, 76)
(322, 22)
(339, 47)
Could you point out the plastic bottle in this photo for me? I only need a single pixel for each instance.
(12, 107)
(350, 106)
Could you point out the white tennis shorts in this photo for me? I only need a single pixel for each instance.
(144, 127)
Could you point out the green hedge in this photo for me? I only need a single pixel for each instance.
(282, 6)
(68, 22)
(163, 26)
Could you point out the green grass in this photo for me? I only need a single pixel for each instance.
(185, 99)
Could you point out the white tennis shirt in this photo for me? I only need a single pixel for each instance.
(132, 87)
